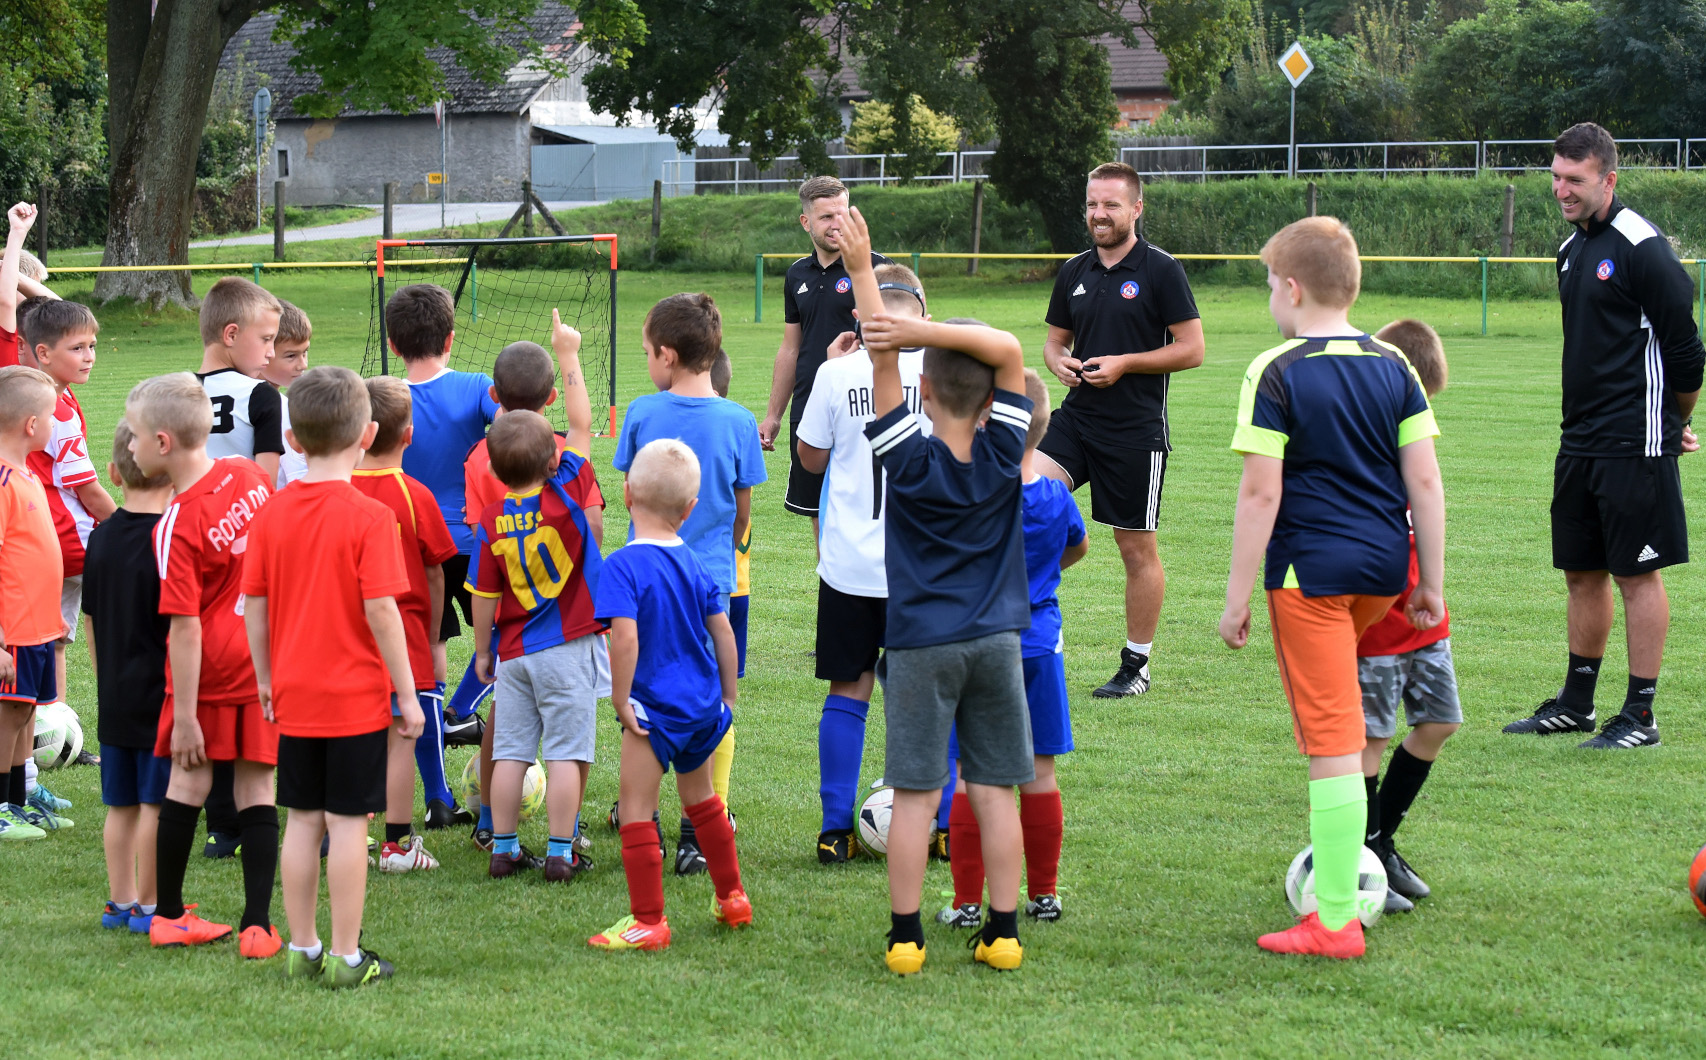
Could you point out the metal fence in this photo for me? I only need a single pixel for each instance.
(1464, 157)
(738, 175)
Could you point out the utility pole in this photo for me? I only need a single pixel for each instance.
(263, 106)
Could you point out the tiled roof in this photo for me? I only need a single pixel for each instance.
(1139, 69)
(553, 25)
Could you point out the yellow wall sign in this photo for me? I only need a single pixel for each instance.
(1296, 64)
(435, 178)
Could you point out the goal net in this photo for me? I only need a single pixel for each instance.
(504, 290)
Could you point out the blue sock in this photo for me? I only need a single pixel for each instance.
(508, 843)
(840, 751)
(469, 694)
(947, 798)
(429, 747)
(558, 847)
(739, 608)
(577, 826)
(485, 817)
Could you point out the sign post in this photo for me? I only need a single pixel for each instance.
(443, 150)
(263, 106)
(1296, 65)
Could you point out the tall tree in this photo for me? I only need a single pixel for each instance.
(1655, 65)
(161, 59)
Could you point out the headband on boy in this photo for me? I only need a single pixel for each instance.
(909, 289)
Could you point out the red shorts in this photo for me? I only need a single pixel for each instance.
(229, 732)
(1315, 644)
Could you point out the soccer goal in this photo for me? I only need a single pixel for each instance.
(504, 290)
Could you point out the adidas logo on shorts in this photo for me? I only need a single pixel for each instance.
(1647, 555)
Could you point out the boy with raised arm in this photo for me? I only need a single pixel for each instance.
(957, 599)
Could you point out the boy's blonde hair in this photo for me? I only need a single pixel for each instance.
(524, 376)
(293, 325)
(664, 477)
(233, 300)
(1037, 391)
(125, 462)
(30, 267)
(895, 300)
(1321, 255)
(23, 393)
(521, 445)
(1422, 346)
(329, 410)
(393, 410)
(174, 403)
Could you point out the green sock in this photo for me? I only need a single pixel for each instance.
(1338, 809)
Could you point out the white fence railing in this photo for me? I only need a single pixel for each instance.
(684, 176)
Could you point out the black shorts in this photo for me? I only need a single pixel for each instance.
(1125, 484)
(850, 631)
(455, 592)
(1621, 514)
(805, 489)
(344, 775)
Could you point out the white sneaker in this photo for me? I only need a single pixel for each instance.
(407, 856)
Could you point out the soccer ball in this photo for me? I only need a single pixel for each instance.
(1371, 885)
(874, 821)
(58, 736)
(532, 788)
(1697, 881)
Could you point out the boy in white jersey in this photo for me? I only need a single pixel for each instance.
(289, 361)
(852, 585)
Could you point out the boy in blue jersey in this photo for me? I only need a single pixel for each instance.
(682, 335)
(1337, 437)
(451, 412)
(534, 574)
(954, 551)
(1054, 541)
(672, 670)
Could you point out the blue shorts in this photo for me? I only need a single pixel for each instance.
(34, 683)
(1045, 697)
(686, 749)
(132, 776)
(738, 608)
(396, 711)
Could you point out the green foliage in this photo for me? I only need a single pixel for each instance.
(52, 94)
(1200, 38)
(877, 130)
(1515, 71)
(1654, 72)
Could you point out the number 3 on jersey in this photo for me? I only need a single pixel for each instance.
(537, 563)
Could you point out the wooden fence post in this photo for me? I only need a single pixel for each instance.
(657, 217)
(1312, 200)
(278, 220)
(43, 209)
(1507, 230)
(527, 207)
(976, 225)
(390, 203)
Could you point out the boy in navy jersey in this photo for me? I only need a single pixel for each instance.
(672, 694)
(1054, 541)
(954, 550)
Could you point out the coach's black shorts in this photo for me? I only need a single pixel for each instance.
(344, 775)
(1125, 484)
(455, 593)
(805, 489)
(850, 631)
(1621, 514)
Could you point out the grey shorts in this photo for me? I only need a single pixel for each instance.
(71, 607)
(974, 686)
(550, 706)
(1423, 680)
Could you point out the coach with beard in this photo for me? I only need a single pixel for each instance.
(1120, 322)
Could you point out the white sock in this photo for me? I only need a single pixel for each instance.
(126, 906)
(146, 910)
(352, 959)
(1139, 649)
(311, 952)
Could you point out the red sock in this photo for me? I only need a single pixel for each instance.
(1042, 821)
(717, 842)
(965, 852)
(643, 864)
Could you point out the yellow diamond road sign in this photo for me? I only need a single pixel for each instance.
(1296, 64)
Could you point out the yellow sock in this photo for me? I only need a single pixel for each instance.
(722, 762)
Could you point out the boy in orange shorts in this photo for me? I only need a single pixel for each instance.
(212, 711)
(1337, 437)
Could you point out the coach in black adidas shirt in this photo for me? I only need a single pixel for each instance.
(817, 302)
(1121, 320)
(1632, 369)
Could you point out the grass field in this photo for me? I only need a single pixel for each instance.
(1560, 923)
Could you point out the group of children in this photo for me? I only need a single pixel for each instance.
(285, 570)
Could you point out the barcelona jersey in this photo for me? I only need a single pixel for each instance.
(533, 553)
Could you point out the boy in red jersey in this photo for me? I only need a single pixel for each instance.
(522, 380)
(29, 579)
(1398, 663)
(426, 545)
(61, 338)
(321, 580)
(534, 570)
(212, 712)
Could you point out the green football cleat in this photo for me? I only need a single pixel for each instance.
(300, 966)
(338, 974)
(15, 826)
(46, 820)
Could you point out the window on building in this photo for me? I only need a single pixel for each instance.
(283, 162)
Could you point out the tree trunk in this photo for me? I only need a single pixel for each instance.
(160, 94)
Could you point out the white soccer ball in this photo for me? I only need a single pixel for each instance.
(874, 821)
(1371, 885)
(50, 736)
(73, 737)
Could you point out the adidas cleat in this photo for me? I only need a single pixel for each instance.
(43, 799)
(835, 848)
(629, 934)
(408, 856)
(1043, 907)
(1619, 734)
(734, 910)
(1311, 937)
(1131, 679)
(13, 826)
(969, 915)
(46, 820)
(1550, 717)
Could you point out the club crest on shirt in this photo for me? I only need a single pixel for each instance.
(843, 285)
(1606, 268)
(1128, 289)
